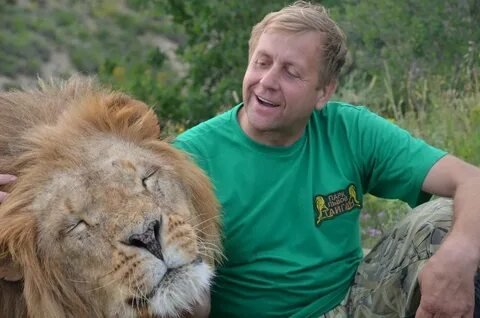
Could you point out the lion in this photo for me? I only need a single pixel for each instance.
(105, 219)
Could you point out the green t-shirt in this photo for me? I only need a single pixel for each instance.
(291, 214)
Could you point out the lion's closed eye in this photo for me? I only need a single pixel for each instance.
(79, 226)
(148, 175)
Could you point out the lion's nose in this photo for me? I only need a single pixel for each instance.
(149, 240)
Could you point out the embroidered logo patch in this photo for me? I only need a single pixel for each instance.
(330, 205)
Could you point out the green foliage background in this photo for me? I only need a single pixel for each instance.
(415, 62)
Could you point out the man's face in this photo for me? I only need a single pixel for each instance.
(281, 86)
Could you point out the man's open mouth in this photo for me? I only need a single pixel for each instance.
(266, 102)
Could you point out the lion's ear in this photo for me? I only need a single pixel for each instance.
(9, 269)
(115, 113)
(134, 114)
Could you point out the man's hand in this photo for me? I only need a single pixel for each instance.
(5, 179)
(447, 281)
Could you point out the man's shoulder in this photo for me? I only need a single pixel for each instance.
(336, 114)
(338, 108)
(208, 127)
(207, 132)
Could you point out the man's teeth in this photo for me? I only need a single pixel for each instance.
(266, 102)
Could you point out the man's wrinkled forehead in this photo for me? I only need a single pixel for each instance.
(273, 37)
(275, 28)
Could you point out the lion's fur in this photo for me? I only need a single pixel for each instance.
(39, 133)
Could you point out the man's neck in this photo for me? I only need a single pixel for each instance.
(274, 138)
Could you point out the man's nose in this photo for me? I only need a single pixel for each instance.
(270, 78)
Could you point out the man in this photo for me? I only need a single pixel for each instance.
(290, 171)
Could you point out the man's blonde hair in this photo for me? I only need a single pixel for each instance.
(303, 16)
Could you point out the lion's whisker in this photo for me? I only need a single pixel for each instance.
(104, 285)
(81, 281)
(207, 220)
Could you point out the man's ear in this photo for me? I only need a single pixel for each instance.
(9, 269)
(325, 93)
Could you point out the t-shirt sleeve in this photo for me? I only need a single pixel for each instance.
(394, 163)
(181, 145)
(188, 146)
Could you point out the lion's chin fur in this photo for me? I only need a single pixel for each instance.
(189, 290)
(55, 131)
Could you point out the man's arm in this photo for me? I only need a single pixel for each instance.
(5, 179)
(447, 279)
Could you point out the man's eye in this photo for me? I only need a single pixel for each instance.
(292, 73)
(261, 63)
